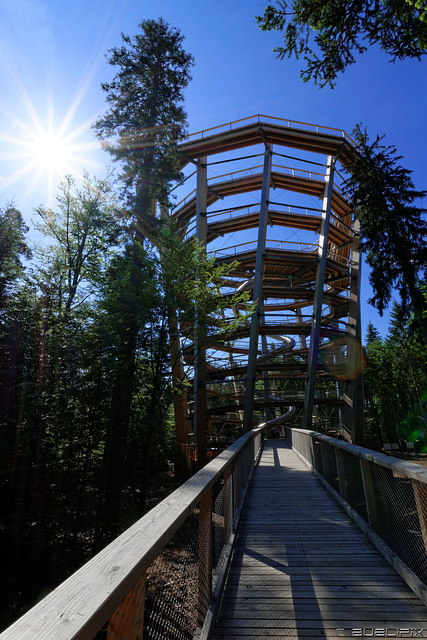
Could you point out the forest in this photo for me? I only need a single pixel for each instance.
(87, 424)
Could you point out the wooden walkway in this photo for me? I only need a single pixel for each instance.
(302, 569)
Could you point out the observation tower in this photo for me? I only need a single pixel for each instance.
(266, 192)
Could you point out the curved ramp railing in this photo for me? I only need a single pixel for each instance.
(385, 496)
(163, 577)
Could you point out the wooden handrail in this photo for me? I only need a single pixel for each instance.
(405, 468)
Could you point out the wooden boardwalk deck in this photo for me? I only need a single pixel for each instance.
(302, 569)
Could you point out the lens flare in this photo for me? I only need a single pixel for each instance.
(343, 357)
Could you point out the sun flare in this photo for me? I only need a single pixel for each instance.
(38, 147)
(45, 155)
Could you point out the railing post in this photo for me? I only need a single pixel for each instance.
(205, 556)
(420, 494)
(325, 461)
(368, 488)
(341, 474)
(228, 503)
(127, 622)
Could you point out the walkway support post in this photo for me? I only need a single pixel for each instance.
(420, 494)
(199, 427)
(257, 296)
(313, 351)
(353, 417)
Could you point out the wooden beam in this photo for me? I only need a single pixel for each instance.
(199, 418)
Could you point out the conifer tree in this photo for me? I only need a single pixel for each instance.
(141, 129)
(394, 228)
(146, 116)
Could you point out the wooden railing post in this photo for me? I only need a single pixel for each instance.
(325, 461)
(205, 556)
(228, 503)
(368, 487)
(127, 622)
(420, 494)
(341, 473)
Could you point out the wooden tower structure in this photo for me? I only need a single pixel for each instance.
(266, 192)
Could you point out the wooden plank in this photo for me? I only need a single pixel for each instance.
(329, 591)
(325, 606)
(283, 617)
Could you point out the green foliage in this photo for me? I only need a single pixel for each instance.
(395, 382)
(422, 5)
(192, 282)
(84, 229)
(343, 28)
(146, 117)
(393, 226)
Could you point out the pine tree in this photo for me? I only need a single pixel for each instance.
(141, 129)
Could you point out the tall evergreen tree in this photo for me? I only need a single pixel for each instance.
(141, 129)
(394, 229)
(146, 117)
(13, 247)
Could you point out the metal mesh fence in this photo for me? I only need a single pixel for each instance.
(317, 457)
(354, 484)
(304, 445)
(396, 520)
(219, 519)
(222, 518)
(394, 504)
(329, 461)
(171, 601)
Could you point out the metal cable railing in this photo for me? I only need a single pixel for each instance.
(163, 577)
(387, 497)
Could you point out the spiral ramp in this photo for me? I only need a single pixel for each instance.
(265, 199)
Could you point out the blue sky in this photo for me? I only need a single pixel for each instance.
(52, 64)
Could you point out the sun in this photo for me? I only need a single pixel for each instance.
(51, 152)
